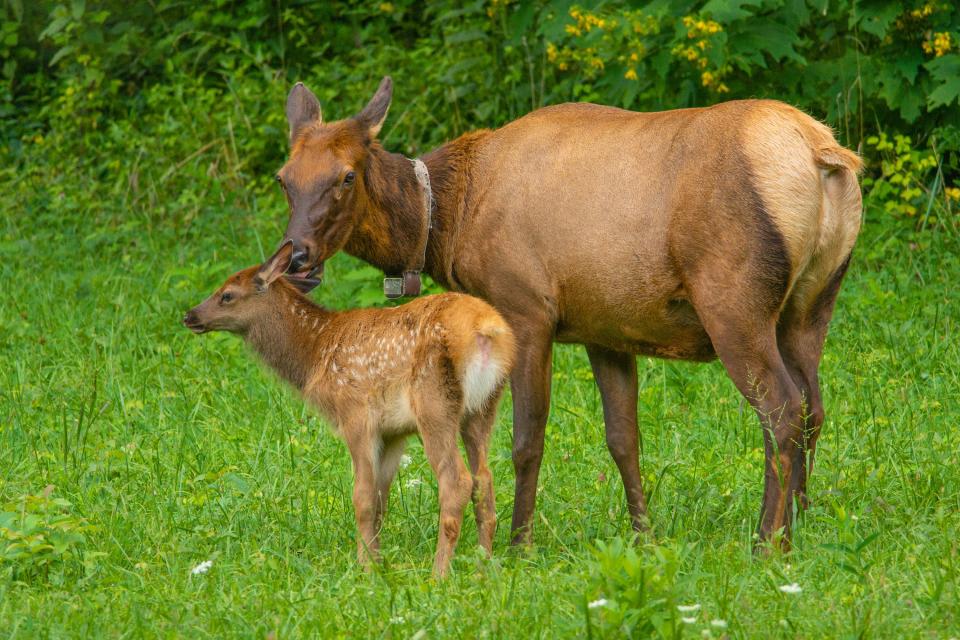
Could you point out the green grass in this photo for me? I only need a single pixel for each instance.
(176, 449)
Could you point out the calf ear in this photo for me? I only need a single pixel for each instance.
(303, 109)
(275, 266)
(375, 112)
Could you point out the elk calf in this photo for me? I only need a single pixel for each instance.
(434, 367)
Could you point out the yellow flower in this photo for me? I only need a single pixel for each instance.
(941, 43)
(562, 66)
(634, 57)
(572, 30)
(631, 74)
(386, 7)
(706, 78)
(952, 192)
(551, 52)
(722, 88)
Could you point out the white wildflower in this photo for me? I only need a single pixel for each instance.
(404, 461)
(600, 602)
(201, 568)
(688, 620)
(792, 588)
(688, 608)
(718, 623)
(414, 482)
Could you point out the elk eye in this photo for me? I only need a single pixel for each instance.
(225, 298)
(348, 179)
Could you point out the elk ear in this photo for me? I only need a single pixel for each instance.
(275, 266)
(375, 112)
(303, 109)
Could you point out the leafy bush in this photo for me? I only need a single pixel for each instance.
(37, 531)
(901, 188)
(151, 96)
(635, 590)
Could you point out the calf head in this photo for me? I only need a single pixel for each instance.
(323, 179)
(246, 298)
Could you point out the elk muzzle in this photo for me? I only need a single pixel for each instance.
(191, 320)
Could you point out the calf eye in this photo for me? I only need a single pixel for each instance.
(348, 179)
(225, 298)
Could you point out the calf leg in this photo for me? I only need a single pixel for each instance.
(530, 382)
(389, 460)
(476, 432)
(616, 376)
(438, 428)
(363, 453)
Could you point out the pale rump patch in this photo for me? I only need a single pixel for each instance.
(482, 375)
(786, 179)
(816, 208)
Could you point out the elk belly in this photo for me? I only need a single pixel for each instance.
(398, 417)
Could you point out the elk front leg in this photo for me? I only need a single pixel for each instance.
(389, 460)
(364, 452)
(530, 382)
(616, 376)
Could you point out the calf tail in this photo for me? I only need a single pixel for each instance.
(489, 358)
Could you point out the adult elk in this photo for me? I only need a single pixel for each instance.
(688, 234)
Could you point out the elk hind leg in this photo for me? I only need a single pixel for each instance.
(476, 431)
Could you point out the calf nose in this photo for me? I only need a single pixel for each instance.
(298, 260)
(190, 317)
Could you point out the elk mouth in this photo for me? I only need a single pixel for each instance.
(306, 280)
(191, 322)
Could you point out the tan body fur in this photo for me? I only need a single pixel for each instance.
(434, 367)
(688, 234)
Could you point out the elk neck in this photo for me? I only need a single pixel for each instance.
(392, 217)
(287, 336)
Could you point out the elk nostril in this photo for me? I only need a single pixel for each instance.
(189, 318)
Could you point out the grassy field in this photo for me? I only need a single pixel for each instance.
(140, 451)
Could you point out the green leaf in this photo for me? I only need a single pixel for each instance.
(726, 11)
(946, 71)
(766, 36)
(460, 37)
(910, 105)
(876, 19)
(59, 55)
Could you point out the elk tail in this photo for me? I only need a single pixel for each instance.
(489, 358)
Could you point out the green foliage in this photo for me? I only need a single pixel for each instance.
(901, 188)
(104, 84)
(37, 531)
(637, 592)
